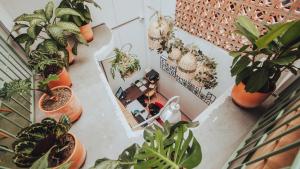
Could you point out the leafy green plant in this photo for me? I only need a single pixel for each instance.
(170, 146)
(260, 63)
(46, 29)
(37, 139)
(16, 87)
(125, 64)
(81, 7)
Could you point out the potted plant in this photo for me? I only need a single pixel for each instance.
(175, 51)
(259, 65)
(125, 63)
(164, 147)
(45, 30)
(54, 102)
(50, 136)
(45, 64)
(159, 32)
(83, 22)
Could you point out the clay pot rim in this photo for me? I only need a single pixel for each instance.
(244, 86)
(76, 142)
(44, 95)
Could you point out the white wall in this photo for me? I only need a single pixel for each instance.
(190, 104)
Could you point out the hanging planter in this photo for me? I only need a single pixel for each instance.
(175, 51)
(159, 32)
(187, 65)
(125, 63)
(206, 75)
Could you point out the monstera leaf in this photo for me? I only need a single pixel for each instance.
(166, 147)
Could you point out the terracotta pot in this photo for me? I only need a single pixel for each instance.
(72, 108)
(64, 80)
(71, 54)
(77, 157)
(246, 99)
(87, 32)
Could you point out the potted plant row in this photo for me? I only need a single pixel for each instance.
(259, 64)
(48, 138)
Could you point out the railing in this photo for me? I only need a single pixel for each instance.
(275, 140)
(17, 112)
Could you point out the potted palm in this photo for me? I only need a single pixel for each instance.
(54, 102)
(45, 30)
(259, 65)
(164, 147)
(125, 63)
(51, 138)
(83, 22)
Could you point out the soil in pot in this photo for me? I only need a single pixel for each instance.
(60, 97)
(56, 159)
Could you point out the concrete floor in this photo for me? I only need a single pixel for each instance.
(103, 130)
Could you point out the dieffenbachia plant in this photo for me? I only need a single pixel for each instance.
(170, 146)
(81, 6)
(260, 63)
(45, 29)
(37, 139)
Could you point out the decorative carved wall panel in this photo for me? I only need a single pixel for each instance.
(213, 20)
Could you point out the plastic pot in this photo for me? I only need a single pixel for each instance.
(246, 99)
(63, 80)
(87, 32)
(72, 108)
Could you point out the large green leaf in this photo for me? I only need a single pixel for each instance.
(243, 75)
(18, 26)
(257, 80)
(22, 38)
(247, 24)
(240, 65)
(41, 163)
(49, 10)
(68, 26)
(292, 35)
(60, 12)
(58, 34)
(272, 35)
(50, 46)
(285, 60)
(30, 17)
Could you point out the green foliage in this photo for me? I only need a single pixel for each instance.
(80, 14)
(37, 139)
(43, 84)
(170, 146)
(125, 64)
(13, 88)
(42, 163)
(260, 64)
(47, 28)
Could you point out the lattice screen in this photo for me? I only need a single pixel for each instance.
(214, 20)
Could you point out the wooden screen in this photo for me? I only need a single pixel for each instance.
(213, 20)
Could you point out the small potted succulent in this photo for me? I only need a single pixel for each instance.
(54, 102)
(83, 22)
(175, 51)
(159, 32)
(125, 63)
(259, 64)
(51, 138)
(45, 30)
(164, 147)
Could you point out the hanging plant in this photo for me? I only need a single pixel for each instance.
(125, 63)
(187, 65)
(175, 51)
(159, 32)
(206, 75)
